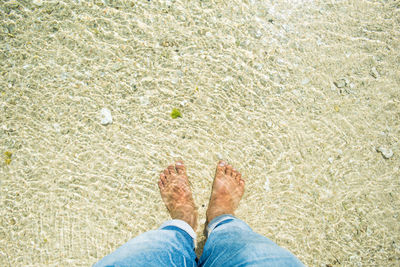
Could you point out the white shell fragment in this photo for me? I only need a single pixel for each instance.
(387, 153)
(266, 185)
(105, 116)
(183, 103)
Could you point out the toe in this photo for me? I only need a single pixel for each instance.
(166, 173)
(180, 167)
(228, 170)
(171, 169)
(163, 179)
(234, 173)
(221, 168)
(238, 177)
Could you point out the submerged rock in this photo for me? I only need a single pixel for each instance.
(105, 116)
(387, 153)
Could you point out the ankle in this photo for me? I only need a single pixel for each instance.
(212, 215)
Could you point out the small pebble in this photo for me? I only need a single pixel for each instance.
(57, 127)
(258, 66)
(296, 93)
(105, 116)
(374, 73)
(144, 100)
(340, 83)
(305, 81)
(330, 159)
(37, 2)
(258, 34)
(336, 108)
(387, 153)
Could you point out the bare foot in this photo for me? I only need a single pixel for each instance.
(228, 189)
(176, 194)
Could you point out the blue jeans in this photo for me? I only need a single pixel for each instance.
(231, 242)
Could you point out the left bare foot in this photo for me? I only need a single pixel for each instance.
(176, 194)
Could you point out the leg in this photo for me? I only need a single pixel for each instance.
(231, 240)
(173, 243)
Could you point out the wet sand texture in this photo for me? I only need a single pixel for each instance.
(301, 96)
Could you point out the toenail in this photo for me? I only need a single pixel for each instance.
(179, 163)
(222, 163)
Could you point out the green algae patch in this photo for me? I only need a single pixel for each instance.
(8, 155)
(176, 113)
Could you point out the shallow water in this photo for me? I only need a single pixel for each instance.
(297, 95)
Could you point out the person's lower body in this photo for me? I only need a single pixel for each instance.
(231, 242)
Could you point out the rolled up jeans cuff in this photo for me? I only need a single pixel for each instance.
(181, 225)
(217, 221)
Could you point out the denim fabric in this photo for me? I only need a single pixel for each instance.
(231, 242)
(170, 245)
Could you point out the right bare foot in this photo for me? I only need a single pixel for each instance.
(176, 194)
(228, 189)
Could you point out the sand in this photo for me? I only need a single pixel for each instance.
(298, 95)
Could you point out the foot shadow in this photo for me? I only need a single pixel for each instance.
(200, 246)
(201, 242)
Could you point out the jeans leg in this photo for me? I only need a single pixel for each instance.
(170, 245)
(231, 242)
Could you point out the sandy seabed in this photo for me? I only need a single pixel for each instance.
(298, 95)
